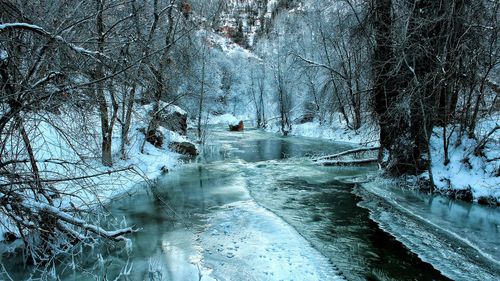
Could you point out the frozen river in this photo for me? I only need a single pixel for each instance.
(254, 207)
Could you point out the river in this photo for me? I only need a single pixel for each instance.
(254, 207)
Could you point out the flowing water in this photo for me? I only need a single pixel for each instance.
(254, 207)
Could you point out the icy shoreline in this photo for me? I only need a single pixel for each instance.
(467, 175)
(437, 239)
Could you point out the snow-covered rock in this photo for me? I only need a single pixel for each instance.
(185, 147)
(171, 117)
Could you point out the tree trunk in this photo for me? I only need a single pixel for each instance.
(128, 108)
(106, 131)
(202, 95)
(383, 56)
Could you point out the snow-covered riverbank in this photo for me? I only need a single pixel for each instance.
(67, 149)
(473, 170)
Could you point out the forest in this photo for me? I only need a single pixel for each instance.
(104, 101)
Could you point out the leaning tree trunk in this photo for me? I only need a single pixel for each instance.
(384, 92)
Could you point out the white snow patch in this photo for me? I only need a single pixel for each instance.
(368, 134)
(165, 107)
(227, 119)
(365, 135)
(244, 241)
(3, 55)
(465, 169)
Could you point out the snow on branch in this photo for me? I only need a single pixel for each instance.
(68, 179)
(40, 30)
(329, 160)
(49, 77)
(321, 65)
(116, 235)
(347, 152)
(349, 162)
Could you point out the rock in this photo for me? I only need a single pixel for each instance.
(155, 138)
(164, 170)
(306, 118)
(309, 112)
(184, 147)
(9, 236)
(171, 117)
(174, 119)
(462, 194)
(237, 128)
(487, 200)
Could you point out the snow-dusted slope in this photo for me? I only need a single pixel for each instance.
(479, 174)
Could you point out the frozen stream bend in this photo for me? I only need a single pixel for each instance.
(462, 240)
(254, 207)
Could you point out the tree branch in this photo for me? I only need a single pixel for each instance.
(321, 65)
(41, 31)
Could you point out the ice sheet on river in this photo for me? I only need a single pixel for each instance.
(243, 241)
(459, 239)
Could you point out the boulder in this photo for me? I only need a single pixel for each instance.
(237, 128)
(9, 236)
(153, 137)
(184, 147)
(173, 118)
(308, 115)
(164, 170)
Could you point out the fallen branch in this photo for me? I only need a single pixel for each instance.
(347, 152)
(349, 162)
(116, 235)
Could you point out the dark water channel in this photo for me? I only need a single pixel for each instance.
(254, 166)
(319, 203)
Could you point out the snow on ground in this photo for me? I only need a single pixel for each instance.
(365, 135)
(80, 145)
(226, 119)
(466, 170)
(244, 241)
(337, 130)
(146, 165)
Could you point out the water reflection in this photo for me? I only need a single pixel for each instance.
(475, 223)
(255, 146)
(324, 210)
(317, 201)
